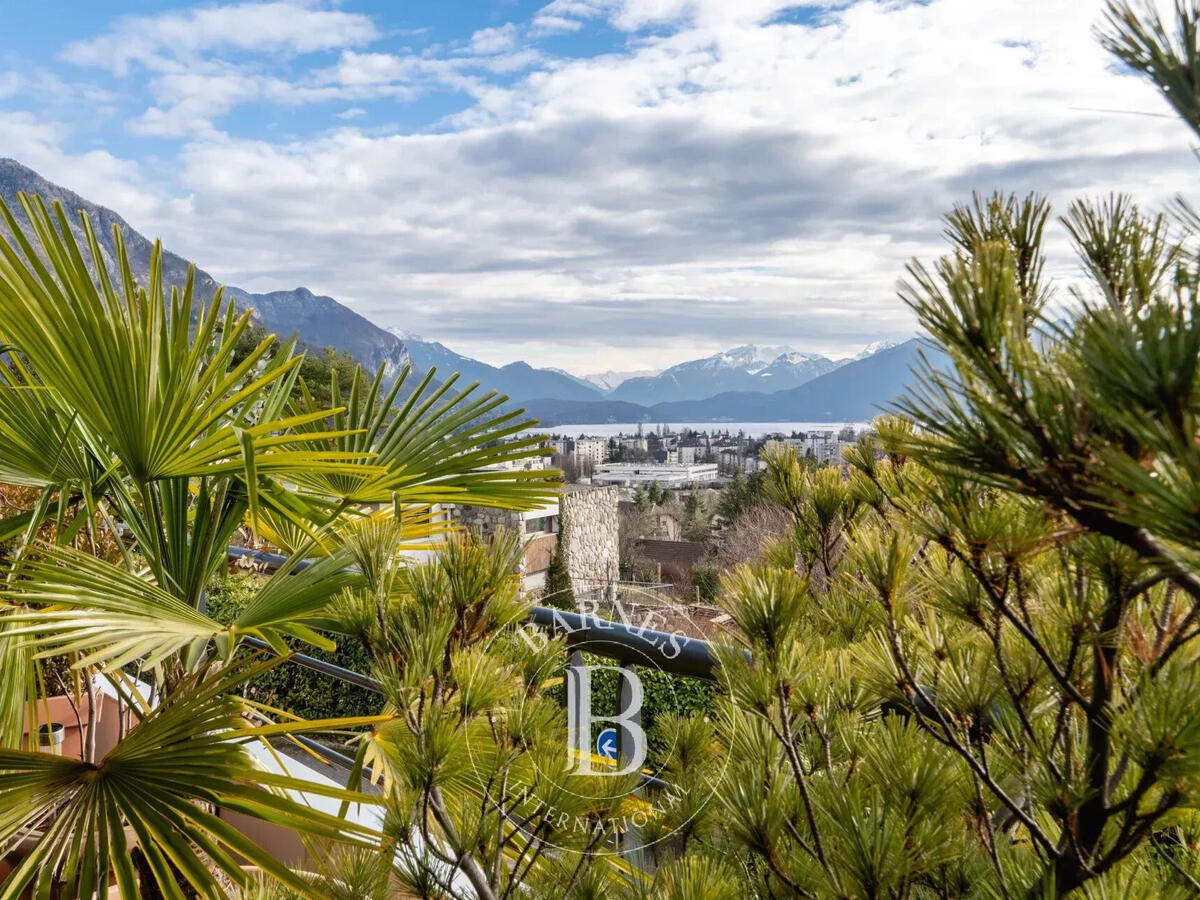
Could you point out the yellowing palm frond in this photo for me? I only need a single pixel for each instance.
(113, 616)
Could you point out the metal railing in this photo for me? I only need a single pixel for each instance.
(671, 652)
(625, 644)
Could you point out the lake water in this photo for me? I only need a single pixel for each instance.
(752, 429)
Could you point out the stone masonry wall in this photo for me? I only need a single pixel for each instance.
(488, 521)
(588, 523)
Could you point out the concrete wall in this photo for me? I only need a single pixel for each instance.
(64, 711)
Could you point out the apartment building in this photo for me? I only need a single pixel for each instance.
(590, 451)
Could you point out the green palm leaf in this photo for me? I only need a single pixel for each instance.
(113, 617)
(440, 446)
(159, 390)
(164, 781)
(39, 445)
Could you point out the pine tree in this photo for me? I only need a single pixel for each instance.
(695, 526)
(558, 591)
(973, 663)
(465, 770)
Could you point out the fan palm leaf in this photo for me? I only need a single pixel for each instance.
(439, 446)
(164, 781)
(75, 603)
(159, 382)
(39, 444)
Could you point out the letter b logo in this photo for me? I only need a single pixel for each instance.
(580, 719)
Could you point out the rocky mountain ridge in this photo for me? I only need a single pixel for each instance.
(318, 321)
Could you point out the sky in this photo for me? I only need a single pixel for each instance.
(585, 184)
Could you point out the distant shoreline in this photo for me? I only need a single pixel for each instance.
(751, 429)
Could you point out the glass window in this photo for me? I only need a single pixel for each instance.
(544, 524)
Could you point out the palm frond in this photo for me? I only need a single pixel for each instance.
(440, 446)
(163, 785)
(113, 616)
(161, 392)
(39, 443)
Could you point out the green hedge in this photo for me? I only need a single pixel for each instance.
(298, 690)
(662, 694)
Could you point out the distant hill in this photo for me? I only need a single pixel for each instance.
(551, 412)
(518, 380)
(322, 321)
(856, 391)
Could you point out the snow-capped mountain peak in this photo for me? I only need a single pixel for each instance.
(611, 380)
(748, 357)
(750, 367)
(876, 347)
(794, 357)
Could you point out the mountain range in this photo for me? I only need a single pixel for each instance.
(606, 381)
(856, 391)
(518, 380)
(745, 368)
(746, 383)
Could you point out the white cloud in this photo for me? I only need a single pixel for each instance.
(723, 177)
(545, 24)
(160, 42)
(97, 175)
(488, 41)
(633, 15)
(188, 102)
(206, 61)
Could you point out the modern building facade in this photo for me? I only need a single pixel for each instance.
(669, 475)
(590, 451)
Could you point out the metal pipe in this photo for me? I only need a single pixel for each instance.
(321, 750)
(670, 652)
